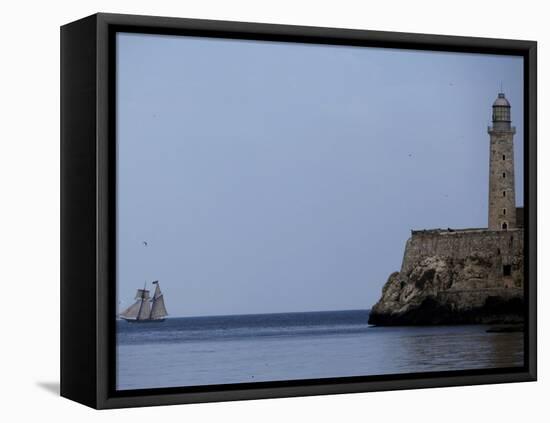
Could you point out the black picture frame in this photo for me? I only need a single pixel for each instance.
(88, 209)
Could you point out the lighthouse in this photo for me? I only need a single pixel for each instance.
(502, 195)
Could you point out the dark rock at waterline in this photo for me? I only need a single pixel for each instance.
(434, 310)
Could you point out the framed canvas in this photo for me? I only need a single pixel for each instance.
(256, 211)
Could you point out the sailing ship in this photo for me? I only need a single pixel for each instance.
(146, 309)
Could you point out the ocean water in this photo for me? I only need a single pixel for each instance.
(270, 347)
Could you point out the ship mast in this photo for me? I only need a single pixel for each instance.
(142, 298)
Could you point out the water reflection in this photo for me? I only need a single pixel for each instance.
(458, 348)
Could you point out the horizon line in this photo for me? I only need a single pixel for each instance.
(258, 314)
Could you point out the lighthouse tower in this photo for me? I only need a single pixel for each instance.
(502, 195)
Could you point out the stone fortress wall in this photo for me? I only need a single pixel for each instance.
(498, 253)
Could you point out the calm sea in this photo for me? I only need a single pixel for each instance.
(270, 347)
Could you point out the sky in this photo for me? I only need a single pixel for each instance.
(274, 177)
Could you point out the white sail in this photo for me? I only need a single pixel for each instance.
(158, 309)
(157, 292)
(132, 312)
(145, 310)
(142, 294)
(141, 309)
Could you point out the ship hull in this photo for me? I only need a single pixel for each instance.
(144, 320)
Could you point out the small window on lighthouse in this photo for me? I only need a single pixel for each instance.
(504, 193)
(504, 174)
(504, 157)
(504, 212)
(504, 226)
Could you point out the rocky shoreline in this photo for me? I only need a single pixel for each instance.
(473, 277)
(433, 311)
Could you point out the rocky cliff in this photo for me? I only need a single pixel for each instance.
(455, 277)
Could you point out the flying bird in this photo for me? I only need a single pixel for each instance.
(145, 243)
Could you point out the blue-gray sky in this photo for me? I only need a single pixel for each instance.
(274, 177)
